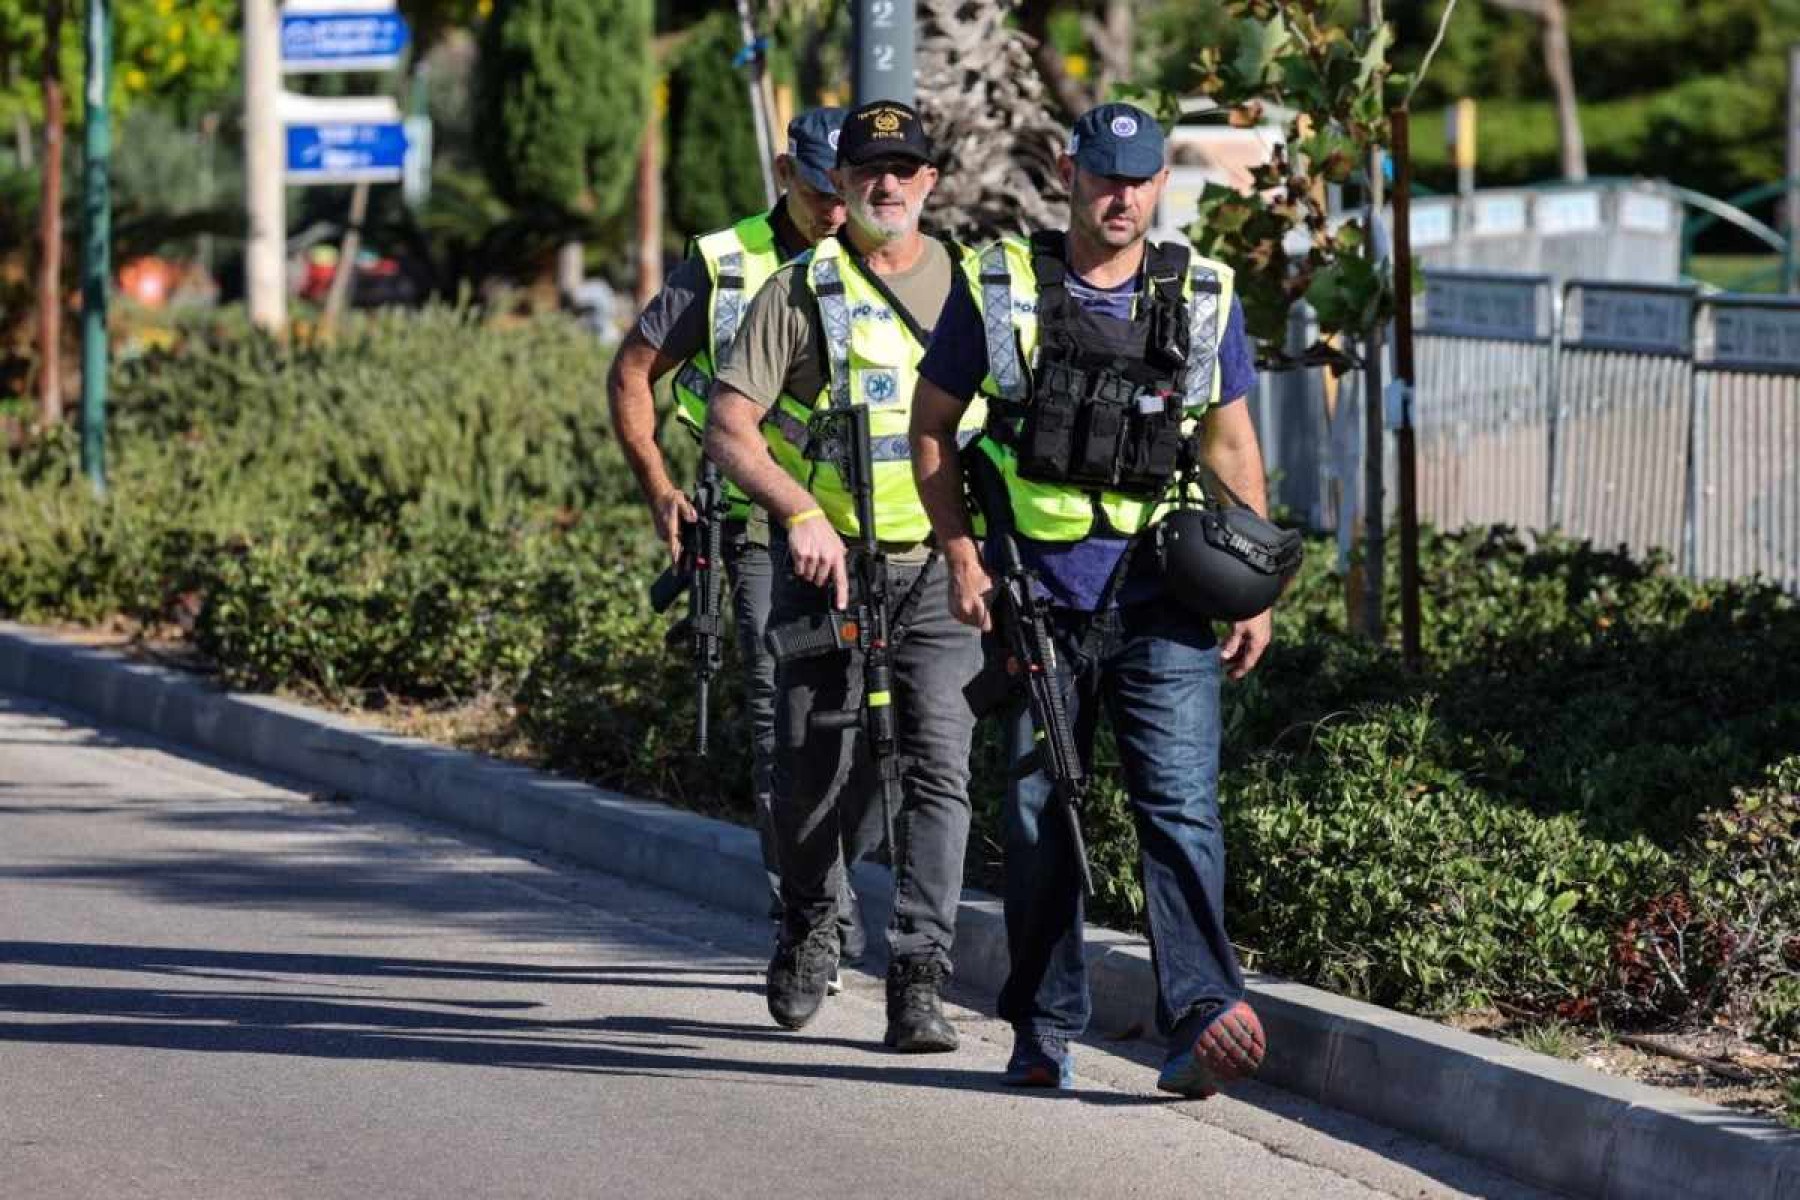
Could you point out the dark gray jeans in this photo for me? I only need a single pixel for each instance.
(750, 565)
(824, 781)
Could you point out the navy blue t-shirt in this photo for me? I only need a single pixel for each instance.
(1074, 574)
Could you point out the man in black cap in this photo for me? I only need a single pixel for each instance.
(833, 337)
(1114, 371)
(686, 328)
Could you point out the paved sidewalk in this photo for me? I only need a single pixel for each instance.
(1557, 1124)
(215, 984)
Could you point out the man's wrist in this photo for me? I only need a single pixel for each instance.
(961, 553)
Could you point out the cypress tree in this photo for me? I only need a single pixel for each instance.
(563, 90)
(712, 177)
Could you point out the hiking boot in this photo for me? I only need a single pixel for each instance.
(1212, 1048)
(801, 973)
(915, 1009)
(1039, 1060)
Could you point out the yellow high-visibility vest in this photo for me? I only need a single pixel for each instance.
(871, 358)
(738, 260)
(1005, 283)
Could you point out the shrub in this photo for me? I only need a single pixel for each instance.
(1582, 807)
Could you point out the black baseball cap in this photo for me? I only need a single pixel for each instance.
(1121, 140)
(882, 129)
(813, 143)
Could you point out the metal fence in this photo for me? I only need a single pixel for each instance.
(1744, 492)
(1624, 395)
(1485, 357)
(1626, 414)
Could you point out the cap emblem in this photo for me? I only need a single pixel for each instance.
(1124, 126)
(832, 138)
(887, 121)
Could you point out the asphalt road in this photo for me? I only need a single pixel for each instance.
(213, 984)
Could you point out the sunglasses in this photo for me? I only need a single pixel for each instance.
(902, 169)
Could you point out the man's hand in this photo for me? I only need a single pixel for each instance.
(669, 510)
(816, 553)
(970, 589)
(1245, 644)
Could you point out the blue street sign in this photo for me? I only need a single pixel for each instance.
(346, 152)
(350, 41)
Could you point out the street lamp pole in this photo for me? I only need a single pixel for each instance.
(96, 246)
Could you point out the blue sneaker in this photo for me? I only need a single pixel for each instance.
(1213, 1049)
(1040, 1060)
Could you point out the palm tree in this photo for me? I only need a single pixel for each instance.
(991, 119)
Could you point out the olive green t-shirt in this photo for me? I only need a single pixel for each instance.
(780, 345)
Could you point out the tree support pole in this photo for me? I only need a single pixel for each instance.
(1410, 641)
(1374, 430)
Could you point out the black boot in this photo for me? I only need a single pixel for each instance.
(915, 1007)
(803, 968)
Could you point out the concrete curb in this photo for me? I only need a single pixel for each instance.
(1554, 1123)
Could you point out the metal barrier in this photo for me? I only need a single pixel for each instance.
(1744, 495)
(1627, 414)
(1624, 388)
(1483, 402)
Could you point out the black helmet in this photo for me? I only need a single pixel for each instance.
(1225, 563)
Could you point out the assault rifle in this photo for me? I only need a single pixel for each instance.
(1022, 619)
(699, 571)
(840, 436)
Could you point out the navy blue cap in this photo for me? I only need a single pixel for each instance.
(812, 141)
(1117, 139)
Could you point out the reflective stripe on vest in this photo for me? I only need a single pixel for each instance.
(738, 261)
(872, 359)
(1004, 284)
(997, 321)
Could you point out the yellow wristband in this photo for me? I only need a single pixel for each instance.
(808, 515)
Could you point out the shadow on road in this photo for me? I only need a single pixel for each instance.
(475, 1032)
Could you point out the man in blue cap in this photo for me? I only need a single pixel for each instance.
(686, 328)
(1114, 372)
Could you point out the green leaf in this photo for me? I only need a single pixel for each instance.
(1256, 45)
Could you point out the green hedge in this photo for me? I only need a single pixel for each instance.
(1588, 779)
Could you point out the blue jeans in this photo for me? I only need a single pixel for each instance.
(1157, 679)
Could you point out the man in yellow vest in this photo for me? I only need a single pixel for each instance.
(1104, 360)
(685, 328)
(832, 339)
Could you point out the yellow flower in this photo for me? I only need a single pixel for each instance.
(177, 31)
(136, 80)
(165, 7)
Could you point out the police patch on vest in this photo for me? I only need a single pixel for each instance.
(878, 385)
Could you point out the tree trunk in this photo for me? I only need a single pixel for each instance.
(1112, 35)
(50, 237)
(343, 280)
(1068, 92)
(1560, 67)
(568, 271)
(649, 213)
